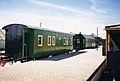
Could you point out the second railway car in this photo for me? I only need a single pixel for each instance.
(78, 41)
(24, 42)
(81, 41)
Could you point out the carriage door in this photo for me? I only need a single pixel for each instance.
(26, 45)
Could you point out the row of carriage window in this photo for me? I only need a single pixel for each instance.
(51, 40)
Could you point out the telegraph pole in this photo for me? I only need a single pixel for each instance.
(97, 31)
(40, 24)
(97, 39)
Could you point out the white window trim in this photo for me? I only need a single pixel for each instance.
(64, 41)
(59, 38)
(41, 40)
(67, 41)
(50, 40)
(71, 42)
(78, 40)
(54, 40)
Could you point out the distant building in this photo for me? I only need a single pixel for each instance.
(93, 35)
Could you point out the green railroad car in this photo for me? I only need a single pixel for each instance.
(89, 41)
(81, 41)
(24, 42)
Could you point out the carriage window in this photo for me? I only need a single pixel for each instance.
(40, 39)
(71, 42)
(53, 40)
(64, 41)
(49, 40)
(67, 41)
(59, 38)
(78, 40)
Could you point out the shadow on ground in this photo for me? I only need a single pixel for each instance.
(63, 56)
(92, 47)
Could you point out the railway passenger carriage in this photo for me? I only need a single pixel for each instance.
(89, 41)
(78, 40)
(83, 41)
(24, 42)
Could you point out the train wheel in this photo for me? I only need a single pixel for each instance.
(21, 61)
(76, 50)
(15, 60)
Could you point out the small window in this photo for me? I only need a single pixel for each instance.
(53, 40)
(64, 41)
(78, 40)
(71, 42)
(67, 41)
(49, 40)
(59, 38)
(40, 40)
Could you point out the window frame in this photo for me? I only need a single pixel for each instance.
(41, 40)
(64, 41)
(67, 43)
(71, 41)
(49, 41)
(78, 41)
(53, 41)
(59, 38)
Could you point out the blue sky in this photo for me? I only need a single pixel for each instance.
(62, 15)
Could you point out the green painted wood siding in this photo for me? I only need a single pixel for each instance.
(35, 51)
